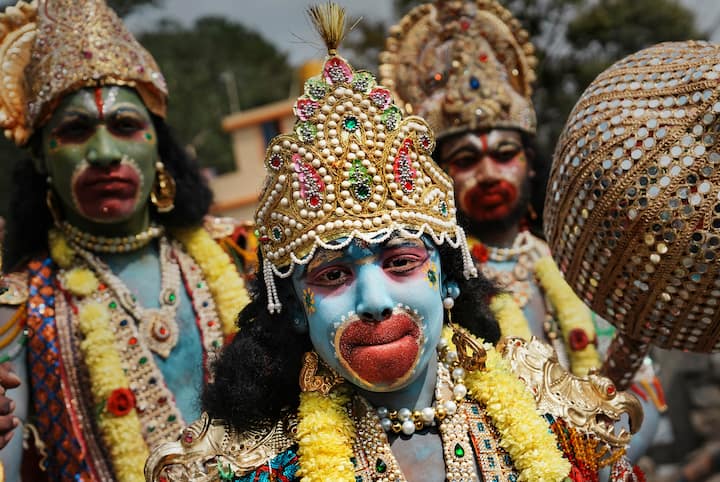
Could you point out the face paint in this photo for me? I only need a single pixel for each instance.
(99, 149)
(377, 318)
(489, 171)
(309, 300)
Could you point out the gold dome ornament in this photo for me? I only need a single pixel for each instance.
(633, 209)
(50, 48)
(462, 65)
(354, 168)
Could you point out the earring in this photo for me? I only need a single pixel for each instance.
(52, 207)
(471, 354)
(163, 193)
(311, 381)
(532, 213)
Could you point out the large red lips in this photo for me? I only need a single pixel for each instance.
(107, 192)
(490, 200)
(381, 352)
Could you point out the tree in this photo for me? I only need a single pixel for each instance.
(213, 69)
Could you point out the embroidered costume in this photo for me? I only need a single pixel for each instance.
(357, 170)
(98, 359)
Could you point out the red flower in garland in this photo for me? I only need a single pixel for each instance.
(480, 253)
(120, 402)
(578, 339)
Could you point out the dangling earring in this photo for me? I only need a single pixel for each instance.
(52, 207)
(163, 193)
(311, 381)
(471, 354)
(532, 213)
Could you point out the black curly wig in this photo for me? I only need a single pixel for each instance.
(29, 218)
(256, 376)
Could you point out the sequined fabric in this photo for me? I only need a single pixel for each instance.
(66, 459)
(462, 65)
(633, 209)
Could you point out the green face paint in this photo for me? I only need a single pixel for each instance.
(100, 150)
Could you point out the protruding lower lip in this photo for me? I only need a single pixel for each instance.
(380, 352)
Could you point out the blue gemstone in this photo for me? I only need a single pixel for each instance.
(474, 83)
(123, 323)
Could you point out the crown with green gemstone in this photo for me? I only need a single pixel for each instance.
(353, 168)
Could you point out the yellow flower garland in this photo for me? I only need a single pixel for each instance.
(326, 432)
(572, 314)
(225, 284)
(325, 436)
(509, 316)
(122, 434)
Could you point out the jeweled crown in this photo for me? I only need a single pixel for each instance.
(50, 48)
(353, 168)
(462, 65)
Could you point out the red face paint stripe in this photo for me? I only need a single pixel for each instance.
(484, 142)
(99, 102)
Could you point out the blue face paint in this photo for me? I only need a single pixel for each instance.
(377, 310)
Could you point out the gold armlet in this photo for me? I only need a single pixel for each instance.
(14, 289)
(208, 447)
(590, 404)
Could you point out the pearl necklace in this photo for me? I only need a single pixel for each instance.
(102, 244)
(408, 421)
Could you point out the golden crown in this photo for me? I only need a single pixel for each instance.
(462, 66)
(633, 213)
(353, 169)
(52, 47)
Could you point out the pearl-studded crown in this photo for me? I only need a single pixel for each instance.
(353, 168)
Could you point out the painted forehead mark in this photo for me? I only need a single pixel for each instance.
(99, 102)
(88, 101)
(110, 100)
(484, 142)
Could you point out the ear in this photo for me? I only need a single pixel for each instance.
(299, 322)
(450, 288)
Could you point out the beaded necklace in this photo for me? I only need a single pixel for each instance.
(103, 244)
(158, 327)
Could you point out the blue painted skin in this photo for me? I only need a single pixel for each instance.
(370, 280)
(183, 369)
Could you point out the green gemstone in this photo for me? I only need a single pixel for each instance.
(53, 143)
(216, 343)
(459, 451)
(113, 305)
(151, 429)
(148, 136)
(143, 360)
(171, 418)
(350, 123)
(172, 297)
(199, 285)
(380, 466)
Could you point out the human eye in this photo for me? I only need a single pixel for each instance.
(330, 276)
(404, 263)
(463, 161)
(507, 151)
(126, 125)
(74, 129)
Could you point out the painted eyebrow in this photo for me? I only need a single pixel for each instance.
(402, 242)
(128, 109)
(322, 258)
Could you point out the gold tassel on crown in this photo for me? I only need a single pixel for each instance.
(353, 168)
(50, 48)
(462, 65)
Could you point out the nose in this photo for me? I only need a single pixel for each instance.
(102, 150)
(374, 302)
(485, 167)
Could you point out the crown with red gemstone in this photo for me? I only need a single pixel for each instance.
(353, 168)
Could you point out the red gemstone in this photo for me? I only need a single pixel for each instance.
(162, 400)
(133, 341)
(87, 55)
(409, 186)
(163, 331)
(464, 25)
(188, 438)
(314, 201)
(211, 323)
(483, 58)
(611, 390)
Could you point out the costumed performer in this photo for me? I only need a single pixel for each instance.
(361, 255)
(120, 297)
(467, 67)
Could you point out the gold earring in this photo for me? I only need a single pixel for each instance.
(311, 381)
(163, 193)
(471, 354)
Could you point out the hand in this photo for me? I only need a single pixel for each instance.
(8, 422)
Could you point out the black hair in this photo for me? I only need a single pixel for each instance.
(256, 375)
(29, 218)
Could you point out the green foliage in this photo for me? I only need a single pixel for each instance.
(210, 67)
